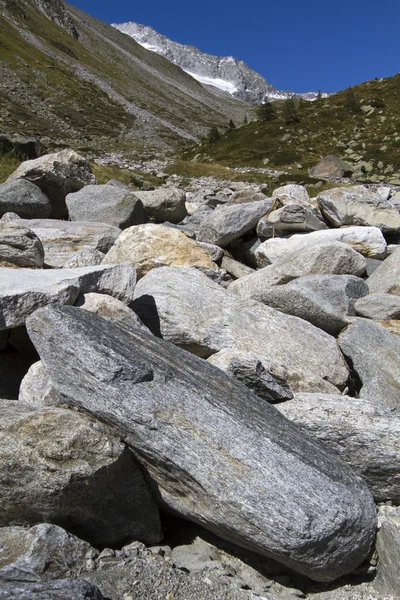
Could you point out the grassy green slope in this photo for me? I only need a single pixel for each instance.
(343, 125)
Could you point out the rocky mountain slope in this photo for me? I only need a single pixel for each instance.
(69, 77)
(225, 73)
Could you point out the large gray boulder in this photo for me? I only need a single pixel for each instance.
(378, 307)
(24, 290)
(218, 454)
(331, 166)
(325, 259)
(41, 553)
(58, 589)
(358, 205)
(294, 217)
(25, 199)
(62, 239)
(375, 355)
(386, 278)
(56, 175)
(291, 193)
(185, 307)
(20, 246)
(363, 435)
(106, 204)
(368, 241)
(326, 301)
(228, 223)
(164, 204)
(63, 468)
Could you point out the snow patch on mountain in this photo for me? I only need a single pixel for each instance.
(221, 84)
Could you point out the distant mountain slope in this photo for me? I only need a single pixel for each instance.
(224, 73)
(69, 77)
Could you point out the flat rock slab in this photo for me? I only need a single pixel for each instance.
(368, 241)
(358, 205)
(375, 354)
(63, 468)
(62, 239)
(25, 290)
(193, 312)
(386, 278)
(25, 199)
(363, 435)
(294, 217)
(217, 454)
(106, 204)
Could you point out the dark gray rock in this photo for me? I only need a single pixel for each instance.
(260, 376)
(386, 278)
(387, 581)
(214, 252)
(364, 436)
(23, 147)
(13, 368)
(106, 204)
(379, 307)
(216, 453)
(61, 467)
(59, 589)
(24, 199)
(164, 204)
(228, 223)
(20, 246)
(375, 354)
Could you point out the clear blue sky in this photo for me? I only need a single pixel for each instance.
(300, 45)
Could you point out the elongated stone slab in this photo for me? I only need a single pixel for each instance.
(216, 453)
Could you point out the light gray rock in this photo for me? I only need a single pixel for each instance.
(56, 175)
(235, 268)
(106, 204)
(62, 239)
(164, 204)
(246, 196)
(379, 307)
(375, 354)
(326, 301)
(260, 376)
(214, 252)
(331, 166)
(218, 454)
(24, 290)
(24, 199)
(324, 259)
(20, 246)
(294, 217)
(109, 307)
(386, 278)
(41, 553)
(10, 217)
(87, 257)
(292, 194)
(363, 435)
(59, 589)
(63, 468)
(388, 548)
(358, 205)
(36, 388)
(228, 223)
(185, 307)
(368, 241)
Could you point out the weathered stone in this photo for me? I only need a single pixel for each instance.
(20, 246)
(375, 354)
(324, 300)
(294, 217)
(58, 589)
(218, 454)
(106, 204)
(62, 239)
(150, 246)
(63, 468)
(235, 268)
(386, 278)
(358, 205)
(41, 553)
(36, 388)
(164, 204)
(368, 241)
(324, 259)
(109, 307)
(379, 307)
(259, 375)
(214, 252)
(24, 290)
(24, 199)
(186, 308)
(87, 257)
(331, 166)
(363, 435)
(228, 223)
(56, 175)
(388, 548)
(291, 194)
(246, 196)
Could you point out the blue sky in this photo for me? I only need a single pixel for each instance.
(300, 45)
